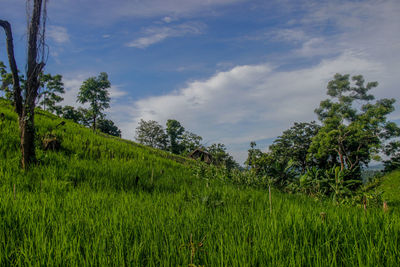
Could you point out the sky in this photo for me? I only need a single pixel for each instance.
(231, 71)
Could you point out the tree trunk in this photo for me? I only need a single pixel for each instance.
(27, 128)
(25, 108)
(13, 66)
(341, 160)
(94, 123)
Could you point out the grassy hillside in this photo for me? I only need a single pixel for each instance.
(391, 188)
(82, 206)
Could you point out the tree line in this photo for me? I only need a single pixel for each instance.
(94, 91)
(327, 158)
(175, 139)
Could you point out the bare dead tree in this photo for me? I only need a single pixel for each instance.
(25, 99)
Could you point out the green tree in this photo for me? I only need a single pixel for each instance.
(190, 142)
(152, 134)
(49, 93)
(221, 157)
(94, 91)
(7, 82)
(108, 127)
(70, 113)
(294, 143)
(175, 131)
(86, 116)
(392, 150)
(252, 156)
(80, 115)
(266, 164)
(352, 132)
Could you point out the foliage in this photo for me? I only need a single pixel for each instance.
(175, 131)
(254, 154)
(94, 91)
(70, 113)
(108, 127)
(151, 133)
(294, 143)
(6, 82)
(392, 150)
(351, 136)
(326, 161)
(222, 158)
(281, 173)
(190, 142)
(49, 90)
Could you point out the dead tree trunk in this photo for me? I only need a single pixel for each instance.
(25, 106)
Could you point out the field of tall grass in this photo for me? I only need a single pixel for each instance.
(105, 201)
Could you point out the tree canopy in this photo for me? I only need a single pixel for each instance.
(151, 133)
(94, 91)
(108, 127)
(49, 92)
(294, 143)
(352, 133)
(175, 131)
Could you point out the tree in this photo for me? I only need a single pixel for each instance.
(70, 113)
(174, 132)
(294, 143)
(51, 87)
(221, 157)
(190, 142)
(6, 82)
(392, 150)
(25, 98)
(352, 133)
(94, 91)
(108, 127)
(80, 115)
(150, 133)
(279, 172)
(252, 155)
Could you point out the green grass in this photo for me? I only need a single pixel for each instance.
(391, 188)
(81, 206)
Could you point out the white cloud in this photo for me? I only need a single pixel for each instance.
(58, 34)
(290, 35)
(154, 35)
(168, 19)
(116, 92)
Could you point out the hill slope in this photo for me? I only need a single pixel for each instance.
(83, 206)
(391, 188)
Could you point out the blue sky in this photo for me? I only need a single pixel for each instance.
(232, 71)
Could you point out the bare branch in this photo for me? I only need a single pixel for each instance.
(13, 66)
